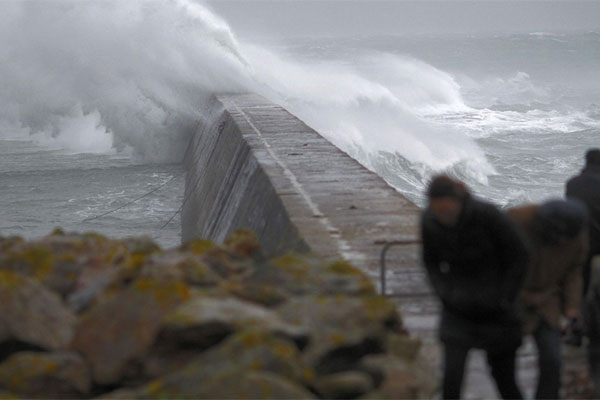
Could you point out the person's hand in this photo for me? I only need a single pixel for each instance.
(573, 335)
(572, 313)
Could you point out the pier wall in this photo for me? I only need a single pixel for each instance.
(254, 165)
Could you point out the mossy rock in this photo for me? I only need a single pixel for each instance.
(203, 321)
(32, 314)
(228, 265)
(254, 385)
(344, 385)
(119, 330)
(57, 260)
(403, 346)
(6, 243)
(244, 352)
(197, 246)
(243, 243)
(301, 274)
(141, 245)
(342, 328)
(263, 293)
(48, 375)
(403, 379)
(177, 265)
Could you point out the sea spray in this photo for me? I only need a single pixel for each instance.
(144, 68)
(134, 75)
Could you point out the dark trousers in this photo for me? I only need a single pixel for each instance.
(547, 340)
(502, 365)
(594, 365)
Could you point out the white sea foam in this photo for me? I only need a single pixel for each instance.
(103, 76)
(141, 69)
(78, 132)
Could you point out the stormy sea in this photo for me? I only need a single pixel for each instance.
(99, 99)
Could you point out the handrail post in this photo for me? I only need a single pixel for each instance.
(382, 266)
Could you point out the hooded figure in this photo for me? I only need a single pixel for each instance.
(557, 231)
(476, 260)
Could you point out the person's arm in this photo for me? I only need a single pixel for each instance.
(430, 254)
(573, 282)
(513, 248)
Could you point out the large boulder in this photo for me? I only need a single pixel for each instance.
(273, 282)
(253, 385)
(342, 328)
(202, 320)
(32, 314)
(344, 385)
(58, 259)
(402, 379)
(247, 351)
(117, 331)
(45, 375)
(239, 384)
(178, 265)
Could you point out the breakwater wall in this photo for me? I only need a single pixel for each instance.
(254, 165)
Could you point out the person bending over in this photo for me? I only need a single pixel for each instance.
(475, 258)
(558, 234)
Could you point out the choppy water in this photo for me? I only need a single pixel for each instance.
(43, 188)
(531, 103)
(99, 99)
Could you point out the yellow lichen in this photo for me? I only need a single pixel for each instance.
(136, 260)
(155, 387)
(256, 365)
(337, 338)
(57, 232)
(18, 371)
(308, 374)
(293, 265)
(164, 292)
(198, 246)
(283, 350)
(242, 242)
(250, 339)
(378, 307)
(343, 267)
(10, 280)
(37, 260)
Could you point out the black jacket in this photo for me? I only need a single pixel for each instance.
(476, 267)
(586, 188)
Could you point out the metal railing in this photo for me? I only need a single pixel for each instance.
(382, 264)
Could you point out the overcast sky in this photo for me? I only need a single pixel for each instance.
(252, 18)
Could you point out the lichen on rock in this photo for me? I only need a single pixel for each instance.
(85, 315)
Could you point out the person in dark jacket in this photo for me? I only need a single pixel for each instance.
(591, 314)
(585, 187)
(476, 259)
(557, 232)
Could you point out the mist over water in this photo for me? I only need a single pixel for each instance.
(100, 85)
(123, 74)
(135, 75)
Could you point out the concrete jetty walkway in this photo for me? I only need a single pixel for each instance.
(255, 165)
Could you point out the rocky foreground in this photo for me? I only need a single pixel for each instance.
(85, 316)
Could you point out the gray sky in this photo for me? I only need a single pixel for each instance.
(252, 18)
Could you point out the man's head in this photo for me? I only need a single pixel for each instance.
(446, 199)
(592, 157)
(558, 220)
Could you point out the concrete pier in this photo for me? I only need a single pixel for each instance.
(254, 165)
